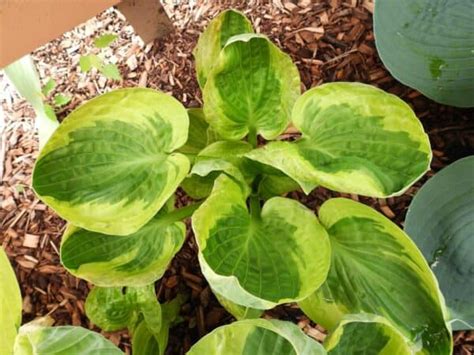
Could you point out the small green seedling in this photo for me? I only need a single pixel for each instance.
(109, 70)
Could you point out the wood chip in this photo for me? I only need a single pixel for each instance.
(31, 241)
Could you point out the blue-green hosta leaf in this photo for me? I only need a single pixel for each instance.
(428, 45)
(366, 334)
(440, 220)
(110, 166)
(257, 337)
(229, 23)
(355, 139)
(136, 259)
(66, 340)
(376, 268)
(252, 88)
(280, 256)
(10, 305)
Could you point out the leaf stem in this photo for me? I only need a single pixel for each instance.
(255, 207)
(252, 137)
(182, 213)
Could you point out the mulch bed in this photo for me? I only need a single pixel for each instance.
(329, 41)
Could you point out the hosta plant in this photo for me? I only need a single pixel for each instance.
(440, 220)
(419, 45)
(112, 167)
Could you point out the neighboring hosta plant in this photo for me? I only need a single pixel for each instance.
(440, 220)
(113, 165)
(420, 46)
(38, 337)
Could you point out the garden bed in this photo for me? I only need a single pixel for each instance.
(328, 41)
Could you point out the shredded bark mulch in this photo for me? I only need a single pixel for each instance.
(330, 40)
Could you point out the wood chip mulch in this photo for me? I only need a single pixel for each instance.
(329, 40)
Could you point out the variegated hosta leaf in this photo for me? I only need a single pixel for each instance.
(111, 308)
(116, 308)
(366, 334)
(238, 311)
(376, 268)
(276, 185)
(229, 23)
(200, 134)
(137, 259)
(221, 156)
(257, 337)
(10, 305)
(147, 342)
(251, 89)
(144, 342)
(259, 260)
(199, 187)
(229, 157)
(66, 340)
(440, 220)
(110, 165)
(355, 139)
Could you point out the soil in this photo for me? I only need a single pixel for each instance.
(329, 40)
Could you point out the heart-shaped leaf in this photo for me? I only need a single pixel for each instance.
(10, 305)
(376, 268)
(65, 340)
(428, 45)
(440, 220)
(137, 259)
(355, 139)
(255, 259)
(229, 23)
(366, 334)
(257, 336)
(251, 89)
(110, 165)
